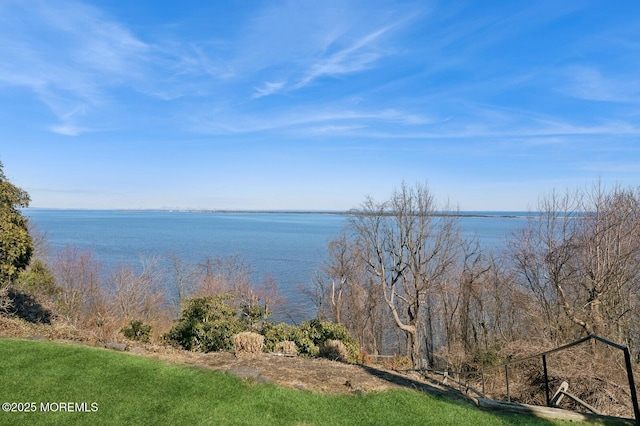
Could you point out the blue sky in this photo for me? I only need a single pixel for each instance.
(315, 105)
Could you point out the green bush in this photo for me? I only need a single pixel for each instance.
(137, 331)
(276, 333)
(207, 324)
(305, 344)
(253, 314)
(309, 337)
(38, 279)
(321, 331)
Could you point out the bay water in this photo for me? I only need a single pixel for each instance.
(290, 247)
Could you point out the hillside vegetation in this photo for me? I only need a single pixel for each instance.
(400, 280)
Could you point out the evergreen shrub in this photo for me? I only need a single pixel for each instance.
(138, 331)
(207, 324)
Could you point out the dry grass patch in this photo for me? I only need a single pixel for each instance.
(248, 342)
(286, 347)
(335, 350)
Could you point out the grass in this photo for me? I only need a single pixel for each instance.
(134, 390)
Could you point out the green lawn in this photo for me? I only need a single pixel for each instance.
(129, 389)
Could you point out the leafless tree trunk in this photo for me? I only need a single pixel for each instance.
(351, 296)
(468, 291)
(609, 257)
(543, 256)
(77, 274)
(580, 258)
(223, 275)
(184, 280)
(136, 296)
(408, 249)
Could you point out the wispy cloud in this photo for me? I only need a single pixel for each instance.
(268, 88)
(336, 119)
(67, 129)
(330, 39)
(432, 118)
(591, 84)
(67, 53)
(360, 55)
(79, 57)
(614, 167)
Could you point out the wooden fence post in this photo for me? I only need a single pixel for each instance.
(546, 379)
(632, 385)
(506, 374)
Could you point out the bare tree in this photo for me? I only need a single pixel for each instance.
(267, 294)
(349, 296)
(41, 248)
(137, 295)
(341, 269)
(77, 274)
(609, 260)
(183, 277)
(231, 276)
(462, 297)
(409, 249)
(223, 275)
(580, 258)
(543, 254)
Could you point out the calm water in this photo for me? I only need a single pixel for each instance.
(291, 247)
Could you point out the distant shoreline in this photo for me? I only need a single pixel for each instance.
(467, 214)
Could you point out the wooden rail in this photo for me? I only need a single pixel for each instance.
(562, 392)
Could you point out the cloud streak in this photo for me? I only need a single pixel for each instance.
(589, 83)
(359, 56)
(337, 118)
(269, 88)
(331, 42)
(71, 61)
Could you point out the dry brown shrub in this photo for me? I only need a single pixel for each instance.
(102, 311)
(136, 295)
(455, 355)
(335, 350)
(248, 342)
(63, 331)
(595, 374)
(57, 330)
(397, 362)
(286, 347)
(15, 327)
(162, 323)
(5, 302)
(102, 325)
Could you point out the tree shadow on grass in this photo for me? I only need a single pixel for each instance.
(444, 392)
(407, 382)
(24, 306)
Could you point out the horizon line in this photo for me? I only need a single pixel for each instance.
(466, 213)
